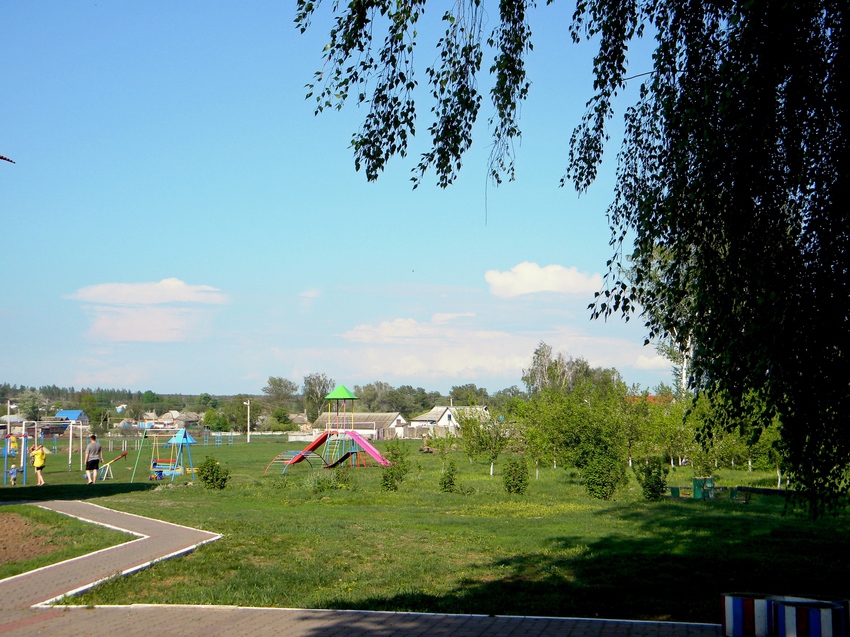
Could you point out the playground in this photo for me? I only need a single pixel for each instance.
(340, 443)
(310, 526)
(299, 540)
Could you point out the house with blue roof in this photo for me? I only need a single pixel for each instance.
(75, 415)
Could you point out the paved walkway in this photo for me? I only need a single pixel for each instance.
(25, 601)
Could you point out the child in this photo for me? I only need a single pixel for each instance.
(13, 475)
(38, 453)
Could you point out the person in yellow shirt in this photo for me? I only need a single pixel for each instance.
(39, 456)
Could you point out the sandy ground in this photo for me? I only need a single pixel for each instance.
(21, 539)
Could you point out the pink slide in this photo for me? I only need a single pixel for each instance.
(318, 442)
(368, 448)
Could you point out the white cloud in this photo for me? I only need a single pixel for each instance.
(310, 294)
(527, 278)
(109, 374)
(146, 324)
(434, 349)
(448, 348)
(652, 362)
(166, 291)
(445, 318)
(163, 312)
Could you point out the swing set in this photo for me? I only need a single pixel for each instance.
(169, 453)
(10, 451)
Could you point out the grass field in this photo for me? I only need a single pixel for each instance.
(553, 551)
(60, 537)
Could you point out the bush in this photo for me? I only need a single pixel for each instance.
(601, 475)
(652, 477)
(277, 426)
(515, 476)
(212, 475)
(447, 480)
(342, 476)
(322, 480)
(394, 474)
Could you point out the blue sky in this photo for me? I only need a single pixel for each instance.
(177, 219)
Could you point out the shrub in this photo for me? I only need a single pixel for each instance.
(652, 477)
(601, 475)
(212, 475)
(322, 480)
(447, 480)
(277, 426)
(278, 483)
(342, 476)
(399, 467)
(515, 476)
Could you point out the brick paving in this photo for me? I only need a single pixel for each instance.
(24, 607)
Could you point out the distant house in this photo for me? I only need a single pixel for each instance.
(441, 420)
(375, 426)
(151, 421)
(7, 423)
(187, 419)
(77, 416)
(170, 417)
(299, 419)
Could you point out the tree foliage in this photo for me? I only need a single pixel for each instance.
(280, 392)
(383, 77)
(393, 474)
(375, 396)
(732, 181)
(469, 394)
(234, 414)
(315, 388)
(381, 396)
(215, 420)
(448, 478)
(652, 477)
(734, 168)
(29, 404)
(483, 434)
(212, 475)
(515, 476)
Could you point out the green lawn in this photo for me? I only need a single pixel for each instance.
(553, 551)
(68, 536)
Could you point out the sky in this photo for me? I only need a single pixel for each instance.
(178, 218)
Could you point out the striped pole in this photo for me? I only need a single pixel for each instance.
(758, 615)
(810, 618)
(747, 615)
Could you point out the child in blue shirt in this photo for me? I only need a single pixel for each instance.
(13, 475)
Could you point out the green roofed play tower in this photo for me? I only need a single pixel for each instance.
(340, 439)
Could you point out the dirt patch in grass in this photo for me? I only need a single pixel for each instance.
(22, 539)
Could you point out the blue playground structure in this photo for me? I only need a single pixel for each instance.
(12, 452)
(170, 454)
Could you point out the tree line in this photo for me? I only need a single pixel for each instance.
(575, 415)
(568, 414)
(270, 410)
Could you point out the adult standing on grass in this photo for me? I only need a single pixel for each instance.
(94, 456)
(39, 459)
